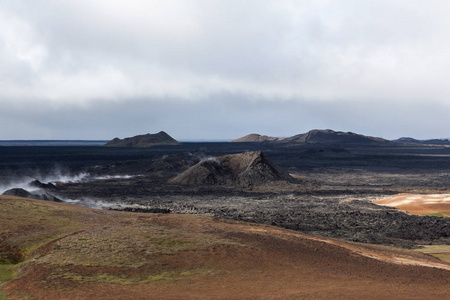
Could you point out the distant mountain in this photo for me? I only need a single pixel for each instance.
(317, 136)
(146, 140)
(328, 136)
(254, 137)
(52, 143)
(245, 169)
(408, 140)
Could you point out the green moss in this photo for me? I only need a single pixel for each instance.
(2, 296)
(7, 273)
(444, 214)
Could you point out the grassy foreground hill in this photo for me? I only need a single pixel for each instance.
(58, 251)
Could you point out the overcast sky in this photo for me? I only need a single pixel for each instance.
(199, 70)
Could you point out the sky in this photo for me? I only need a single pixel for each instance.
(218, 70)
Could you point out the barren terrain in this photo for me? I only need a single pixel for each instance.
(420, 204)
(60, 251)
(307, 238)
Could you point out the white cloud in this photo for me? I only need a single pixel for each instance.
(18, 43)
(320, 50)
(85, 53)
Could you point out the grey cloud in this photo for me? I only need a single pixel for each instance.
(222, 68)
(228, 116)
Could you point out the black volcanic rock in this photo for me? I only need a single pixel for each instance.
(169, 163)
(145, 140)
(325, 151)
(19, 192)
(245, 169)
(36, 183)
(144, 210)
(334, 137)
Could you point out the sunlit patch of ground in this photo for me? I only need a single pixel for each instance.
(429, 204)
(439, 251)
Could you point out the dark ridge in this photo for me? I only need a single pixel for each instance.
(144, 210)
(19, 192)
(317, 136)
(145, 140)
(37, 184)
(328, 136)
(408, 140)
(254, 137)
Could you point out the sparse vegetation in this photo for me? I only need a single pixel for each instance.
(2, 296)
(441, 252)
(7, 273)
(445, 214)
(95, 253)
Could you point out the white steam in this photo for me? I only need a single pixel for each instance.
(203, 157)
(111, 177)
(101, 204)
(55, 177)
(23, 183)
(212, 159)
(95, 203)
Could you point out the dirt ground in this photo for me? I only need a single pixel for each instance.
(419, 204)
(71, 252)
(202, 250)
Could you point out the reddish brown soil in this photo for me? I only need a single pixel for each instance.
(255, 262)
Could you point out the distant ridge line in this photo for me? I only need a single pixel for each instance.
(52, 142)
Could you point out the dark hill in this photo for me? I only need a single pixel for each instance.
(408, 140)
(317, 136)
(334, 137)
(244, 169)
(145, 140)
(254, 137)
(39, 195)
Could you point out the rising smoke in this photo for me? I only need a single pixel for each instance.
(30, 183)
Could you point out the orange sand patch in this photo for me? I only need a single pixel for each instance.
(419, 204)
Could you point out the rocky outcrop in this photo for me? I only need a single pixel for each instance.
(253, 137)
(19, 192)
(169, 163)
(243, 169)
(145, 140)
(37, 184)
